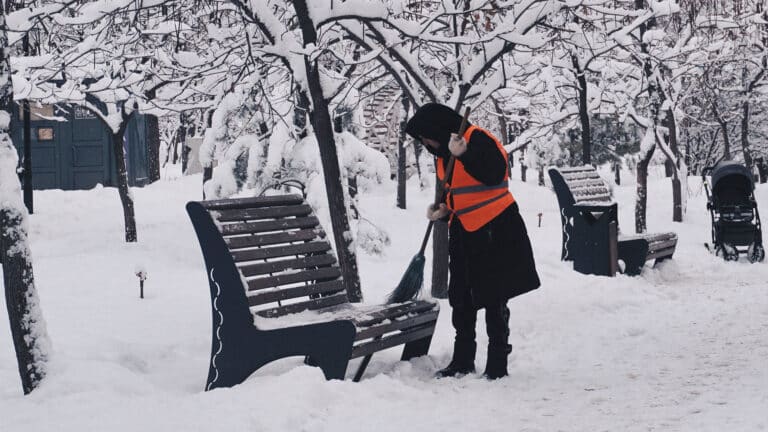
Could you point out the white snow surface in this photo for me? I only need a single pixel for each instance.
(683, 347)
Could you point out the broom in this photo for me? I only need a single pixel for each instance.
(413, 279)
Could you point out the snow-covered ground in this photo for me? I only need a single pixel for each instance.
(684, 347)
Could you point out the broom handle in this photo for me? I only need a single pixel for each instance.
(442, 190)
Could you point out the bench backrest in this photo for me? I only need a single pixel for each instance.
(273, 249)
(579, 185)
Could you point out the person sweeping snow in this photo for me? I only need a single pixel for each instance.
(491, 259)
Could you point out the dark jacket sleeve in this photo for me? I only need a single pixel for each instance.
(483, 160)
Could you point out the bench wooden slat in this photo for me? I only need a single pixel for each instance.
(660, 253)
(313, 304)
(262, 201)
(262, 213)
(658, 237)
(586, 182)
(576, 169)
(280, 251)
(277, 266)
(593, 199)
(381, 329)
(269, 296)
(289, 278)
(593, 191)
(391, 341)
(581, 176)
(597, 200)
(266, 226)
(272, 238)
(392, 311)
(653, 246)
(651, 238)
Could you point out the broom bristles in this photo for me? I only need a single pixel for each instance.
(411, 283)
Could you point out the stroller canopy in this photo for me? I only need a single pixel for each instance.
(731, 181)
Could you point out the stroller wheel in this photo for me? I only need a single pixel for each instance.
(756, 253)
(729, 252)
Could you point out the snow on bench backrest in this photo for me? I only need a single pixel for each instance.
(586, 185)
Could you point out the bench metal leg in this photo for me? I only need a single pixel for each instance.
(633, 253)
(416, 348)
(362, 367)
(327, 345)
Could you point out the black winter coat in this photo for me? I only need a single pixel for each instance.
(494, 263)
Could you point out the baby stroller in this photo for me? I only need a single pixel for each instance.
(735, 219)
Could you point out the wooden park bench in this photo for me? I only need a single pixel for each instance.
(276, 292)
(591, 237)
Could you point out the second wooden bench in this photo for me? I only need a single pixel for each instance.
(591, 237)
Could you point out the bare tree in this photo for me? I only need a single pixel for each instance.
(28, 331)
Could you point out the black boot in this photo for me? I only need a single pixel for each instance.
(463, 361)
(496, 366)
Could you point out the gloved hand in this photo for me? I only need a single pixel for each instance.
(457, 145)
(438, 213)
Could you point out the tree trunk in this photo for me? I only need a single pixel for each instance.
(586, 130)
(153, 147)
(126, 199)
(677, 199)
(181, 140)
(745, 136)
(724, 128)
(208, 170)
(642, 193)
(300, 115)
(677, 191)
(440, 261)
(28, 185)
(656, 98)
(541, 176)
(617, 172)
(30, 338)
(762, 169)
(504, 128)
(323, 128)
(401, 173)
(417, 156)
(669, 168)
(523, 167)
(352, 190)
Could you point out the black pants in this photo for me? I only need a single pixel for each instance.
(464, 318)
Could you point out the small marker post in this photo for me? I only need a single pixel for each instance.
(141, 273)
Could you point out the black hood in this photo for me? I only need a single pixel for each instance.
(437, 122)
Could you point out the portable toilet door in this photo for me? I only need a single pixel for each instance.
(88, 141)
(44, 137)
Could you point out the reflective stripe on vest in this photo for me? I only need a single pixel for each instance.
(480, 188)
(474, 203)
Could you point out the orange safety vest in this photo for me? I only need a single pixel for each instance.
(474, 203)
